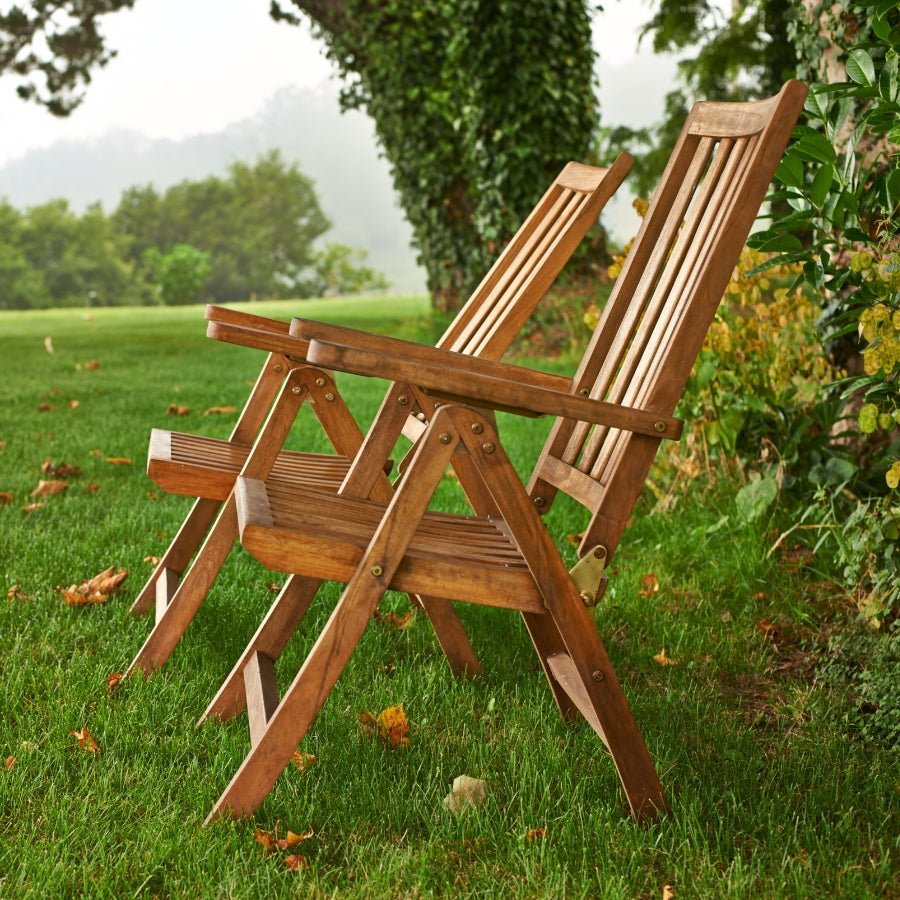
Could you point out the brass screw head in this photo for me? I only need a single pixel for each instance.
(585, 392)
(599, 552)
(598, 675)
(539, 502)
(477, 427)
(420, 416)
(296, 389)
(660, 426)
(279, 368)
(376, 570)
(329, 396)
(444, 438)
(320, 382)
(403, 400)
(488, 447)
(586, 598)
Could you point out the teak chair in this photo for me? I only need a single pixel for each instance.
(611, 418)
(206, 468)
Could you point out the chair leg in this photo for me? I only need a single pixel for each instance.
(185, 602)
(452, 637)
(284, 616)
(180, 551)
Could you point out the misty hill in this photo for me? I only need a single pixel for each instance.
(336, 150)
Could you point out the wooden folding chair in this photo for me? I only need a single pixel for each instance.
(611, 418)
(206, 468)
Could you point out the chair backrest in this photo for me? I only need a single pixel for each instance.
(653, 326)
(522, 274)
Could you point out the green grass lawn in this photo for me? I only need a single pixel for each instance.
(770, 796)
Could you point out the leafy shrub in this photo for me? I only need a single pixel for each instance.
(180, 275)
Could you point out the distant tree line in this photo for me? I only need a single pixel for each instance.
(249, 234)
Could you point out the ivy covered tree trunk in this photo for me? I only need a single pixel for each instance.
(477, 105)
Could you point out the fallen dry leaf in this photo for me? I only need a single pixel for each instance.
(303, 761)
(96, 589)
(575, 538)
(86, 740)
(112, 681)
(662, 660)
(92, 487)
(466, 792)
(63, 470)
(219, 410)
(92, 365)
(44, 407)
(173, 409)
(769, 629)
(10, 763)
(48, 488)
(368, 725)
(74, 404)
(396, 620)
(153, 560)
(668, 893)
(393, 726)
(48, 344)
(265, 840)
(291, 839)
(273, 587)
(651, 585)
(535, 834)
(295, 861)
(32, 507)
(5, 498)
(15, 593)
(152, 495)
(97, 453)
(118, 460)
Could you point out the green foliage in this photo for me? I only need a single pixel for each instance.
(180, 275)
(477, 106)
(339, 270)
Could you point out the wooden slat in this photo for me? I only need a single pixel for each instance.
(166, 585)
(262, 694)
(566, 674)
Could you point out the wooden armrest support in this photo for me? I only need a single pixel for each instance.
(246, 320)
(450, 376)
(376, 343)
(259, 339)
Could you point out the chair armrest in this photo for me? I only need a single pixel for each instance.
(362, 340)
(449, 375)
(272, 341)
(234, 317)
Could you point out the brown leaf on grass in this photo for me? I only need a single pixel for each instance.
(48, 344)
(265, 840)
(769, 629)
(575, 538)
(291, 839)
(304, 761)
(174, 409)
(15, 593)
(32, 507)
(74, 404)
(118, 460)
(219, 410)
(48, 488)
(97, 453)
(10, 763)
(466, 792)
(92, 487)
(5, 498)
(153, 560)
(536, 834)
(63, 470)
(662, 660)
(152, 495)
(368, 724)
(86, 741)
(651, 585)
(45, 407)
(396, 620)
(92, 365)
(393, 726)
(112, 680)
(295, 862)
(273, 587)
(668, 893)
(96, 589)
(759, 597)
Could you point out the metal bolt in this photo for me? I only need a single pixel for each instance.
(296, 390)
(278, 368)
(444, 438)
(660, 426)
(329, 396)
(488, 447)
(540, 502)
(599, 552)
(376, 570)
(420, 416)
(586, 598)
(598, 675)
(585, 392)
(403, 400)
(477, 427)
(320, 382)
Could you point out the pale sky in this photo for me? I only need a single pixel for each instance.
(190, 66)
